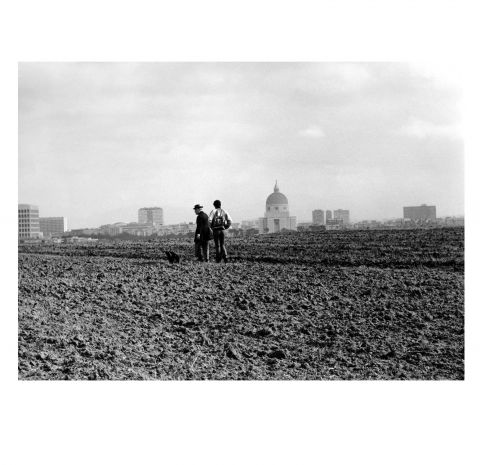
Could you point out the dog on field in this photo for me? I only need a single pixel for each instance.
(172, 257)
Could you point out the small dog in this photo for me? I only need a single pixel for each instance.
(172, 257)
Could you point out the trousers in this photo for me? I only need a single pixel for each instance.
(219, 239)
(202, 250)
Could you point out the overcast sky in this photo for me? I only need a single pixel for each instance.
(98, 141)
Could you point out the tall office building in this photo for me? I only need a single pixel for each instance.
(421, 213)
(28, 224)
(328, 215)
(53, 225)
(152, 215)
(343, 215)
(318, 217)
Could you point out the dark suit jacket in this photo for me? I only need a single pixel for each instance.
(203, 226)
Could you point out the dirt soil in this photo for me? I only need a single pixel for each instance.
(365, 305)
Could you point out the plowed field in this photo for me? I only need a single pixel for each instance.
(333, 305)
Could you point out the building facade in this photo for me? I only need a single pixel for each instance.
(336, 223)
(454, 221)
(138, 229)
(343, 215)
(112, 229)
(250, 224)
(304, 226)
(328, 215)
(152, 215)
(85, 232)
(420, 213)
(277, 215)
(318, 217)
(28, 222)
(52, 226)
(180, 228)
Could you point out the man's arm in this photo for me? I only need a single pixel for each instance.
(228, 220)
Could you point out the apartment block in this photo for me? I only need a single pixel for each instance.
(318, 217)
(52, 226)
(28, 223)
(151, 215)
(421, 213)
(343, 215)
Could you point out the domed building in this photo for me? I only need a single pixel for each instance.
(277, 215)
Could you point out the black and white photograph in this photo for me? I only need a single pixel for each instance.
(239, 233)
(240, 221)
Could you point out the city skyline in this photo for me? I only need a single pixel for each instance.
(134, 216)
(240, 221)
(98, 141)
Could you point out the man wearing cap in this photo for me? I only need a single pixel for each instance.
(220, 221)
(202, 234)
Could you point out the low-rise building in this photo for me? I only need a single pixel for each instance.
(368, 224)
(249, 224)
(112, 229)
(90, 231)
(137, 229)
(336, 223)
(179, 228)
(79, 240)
(304, 226)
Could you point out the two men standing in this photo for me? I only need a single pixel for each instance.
(219, 220)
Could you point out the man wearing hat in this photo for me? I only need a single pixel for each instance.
(202, 234)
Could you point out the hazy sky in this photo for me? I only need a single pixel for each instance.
(98, 141)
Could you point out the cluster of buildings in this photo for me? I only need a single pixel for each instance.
(149, 221)
(339, 219)
(32, 226)
(137, 229)
(276, 219)
(413, 216)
